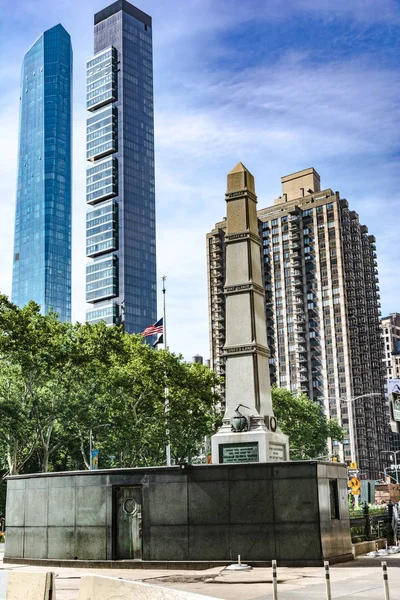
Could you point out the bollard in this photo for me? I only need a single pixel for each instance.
(274, 581)
(327, 581)
(385, 580)
(239, 566)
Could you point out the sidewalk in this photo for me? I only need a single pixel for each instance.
(359, 579)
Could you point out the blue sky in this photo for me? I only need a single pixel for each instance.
(280, 85)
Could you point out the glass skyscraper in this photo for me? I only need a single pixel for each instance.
(120, 221)
(42, 243)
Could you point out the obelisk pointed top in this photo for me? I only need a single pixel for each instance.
(239, 168)
(240, 179)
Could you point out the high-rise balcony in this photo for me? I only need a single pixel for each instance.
(102, 180)
(106, 312)
(102, 279)
(302, 348)
(102, 229)
(101, 134)
(102, 79)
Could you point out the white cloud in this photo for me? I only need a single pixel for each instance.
(277, 119)
(288, 113)
(364, 11)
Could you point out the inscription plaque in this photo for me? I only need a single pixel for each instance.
(276, 452)
(238, 453)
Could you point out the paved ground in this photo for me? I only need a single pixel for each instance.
(359, 579)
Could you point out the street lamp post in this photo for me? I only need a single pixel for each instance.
(350, 401)
(351, 421)
(394, 453)
(90, 449)
(390, 477)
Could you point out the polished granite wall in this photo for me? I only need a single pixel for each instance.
(204, 513)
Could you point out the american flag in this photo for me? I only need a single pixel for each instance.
(154, 329)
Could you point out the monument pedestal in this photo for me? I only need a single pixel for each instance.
(256, 445)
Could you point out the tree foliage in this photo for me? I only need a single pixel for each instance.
(62, 385)
(305, 423)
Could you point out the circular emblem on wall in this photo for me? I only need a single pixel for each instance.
(130, 506)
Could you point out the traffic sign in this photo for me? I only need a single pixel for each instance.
(354, 484)
(355, 492)
(353, 465)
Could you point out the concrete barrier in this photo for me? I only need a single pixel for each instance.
(3, 584)
(97, 587)
(365, 547)
(15, 585)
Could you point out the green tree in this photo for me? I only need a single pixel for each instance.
(87, 383)
(28, 353)
(18, 438)
(192, 401)
(305, 423)
(141, 386)
(60, 384)
(47, 369)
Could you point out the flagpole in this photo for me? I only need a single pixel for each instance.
(164, 277)
(166, 401)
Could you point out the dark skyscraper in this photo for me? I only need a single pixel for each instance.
(120, 238)
(42, 244)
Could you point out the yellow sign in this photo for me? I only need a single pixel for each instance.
(354, 484)
(353, 465)
(355, 492)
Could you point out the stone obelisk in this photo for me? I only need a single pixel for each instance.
(249, 432)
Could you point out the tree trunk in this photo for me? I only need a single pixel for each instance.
(46, 448)
(85, 460)
(12, 451)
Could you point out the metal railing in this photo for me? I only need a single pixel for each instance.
(371, 524)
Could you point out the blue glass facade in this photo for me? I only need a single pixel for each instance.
(121, 231)
(42, 243)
